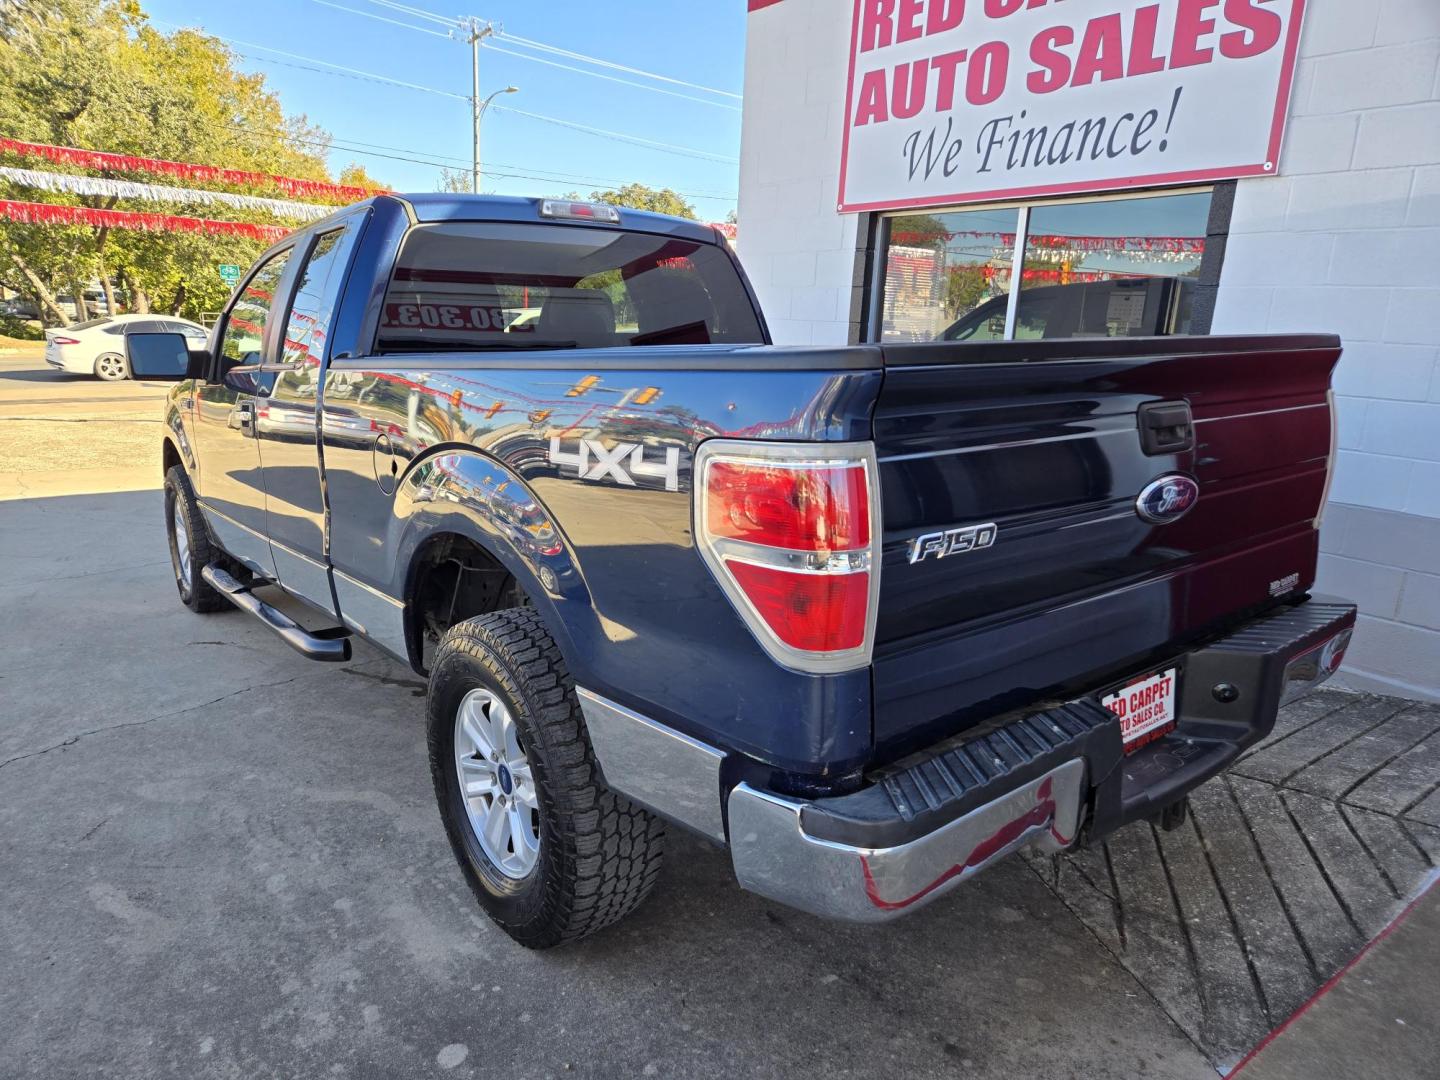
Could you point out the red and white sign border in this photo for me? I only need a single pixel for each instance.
(1265, 168)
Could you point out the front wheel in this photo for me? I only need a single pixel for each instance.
(550, 852)
(190, 549)
(111, 367)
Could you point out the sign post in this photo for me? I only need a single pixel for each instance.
(229, 273)
(952, 102)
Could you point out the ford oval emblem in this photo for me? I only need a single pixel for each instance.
(1167, 499)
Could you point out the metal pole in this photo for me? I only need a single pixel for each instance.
(475, 108)
(476, 33)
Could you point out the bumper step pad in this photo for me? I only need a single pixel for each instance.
(952, 779)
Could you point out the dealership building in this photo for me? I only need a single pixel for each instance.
(987, 170)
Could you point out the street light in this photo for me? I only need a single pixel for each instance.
(480, 108)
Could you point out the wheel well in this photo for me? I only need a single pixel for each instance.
(169, 457)
(452, 579)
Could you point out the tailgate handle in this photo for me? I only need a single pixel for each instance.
(1166, 427)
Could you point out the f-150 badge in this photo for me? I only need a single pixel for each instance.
(620, 463)
(952, 542)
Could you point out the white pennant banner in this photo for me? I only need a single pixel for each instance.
(130, 189)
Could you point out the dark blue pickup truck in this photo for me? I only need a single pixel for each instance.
(872, 617)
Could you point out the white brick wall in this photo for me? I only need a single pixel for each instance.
(799, 253)
(1347, 239)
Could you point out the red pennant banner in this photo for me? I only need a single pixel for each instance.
(102, 159)
(47, 214)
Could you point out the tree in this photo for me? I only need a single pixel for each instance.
(919, 230)
(94, 73)
(355, 175)
(965, 287)
(454, 181)
(641, 197)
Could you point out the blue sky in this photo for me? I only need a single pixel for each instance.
(701, 43)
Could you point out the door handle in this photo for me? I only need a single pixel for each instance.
(245, 412)
(1166, 427)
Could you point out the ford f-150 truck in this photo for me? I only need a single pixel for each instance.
(872, 617)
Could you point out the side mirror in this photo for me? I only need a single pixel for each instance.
(162, 358)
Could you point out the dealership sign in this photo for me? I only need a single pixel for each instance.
(956, 101)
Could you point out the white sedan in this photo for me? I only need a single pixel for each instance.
(97, 346)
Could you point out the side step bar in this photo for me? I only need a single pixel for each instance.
(332, 644)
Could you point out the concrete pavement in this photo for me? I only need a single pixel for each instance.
(1371, 1021)
(43, 453)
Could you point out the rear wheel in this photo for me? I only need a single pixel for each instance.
(111, 367)
(550, 852)
(190, 547)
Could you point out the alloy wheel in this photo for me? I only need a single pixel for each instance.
(182, 542)
(496, 783)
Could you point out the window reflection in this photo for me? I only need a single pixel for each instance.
(942, 267)
(310, 311)
(1119, 268)
(245, 328)
(1125, 268)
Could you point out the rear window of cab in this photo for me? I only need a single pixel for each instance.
(481, 286)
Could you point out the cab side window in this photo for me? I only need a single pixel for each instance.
(315, 297)
(245, 326)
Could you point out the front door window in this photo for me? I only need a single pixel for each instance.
(245, 327)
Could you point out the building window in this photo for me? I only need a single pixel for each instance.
(1093, 268)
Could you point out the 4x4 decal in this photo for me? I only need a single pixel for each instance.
(621, 463)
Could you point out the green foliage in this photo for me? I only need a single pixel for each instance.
(965, 287)
(19, 329)
(640, 197)
(356, 175)
(95, 74)
(454, 181)
(919, 230)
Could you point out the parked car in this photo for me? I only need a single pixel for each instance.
(97, 346)
(871, 617)
(18, 307)
(1124, 307)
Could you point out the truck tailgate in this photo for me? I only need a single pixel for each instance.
(1043, 440)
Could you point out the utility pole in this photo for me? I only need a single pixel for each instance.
(476, 31)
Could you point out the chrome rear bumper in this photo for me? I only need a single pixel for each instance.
(919, 828)
(775, 857)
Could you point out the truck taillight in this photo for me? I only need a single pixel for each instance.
(791, 532)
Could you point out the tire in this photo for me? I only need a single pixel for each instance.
(111, 367)
(181, 513)
(598, 854)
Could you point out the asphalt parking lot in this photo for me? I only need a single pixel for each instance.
(220, 860)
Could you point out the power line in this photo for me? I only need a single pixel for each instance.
(543, 60)
(381, 18)
(343, 72)
(418, 12)
(353, 146)
(327, 68)
(607, 78)
(605, 133)
(617, 67)
(637, 140)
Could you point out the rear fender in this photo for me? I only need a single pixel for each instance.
(466, 493)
